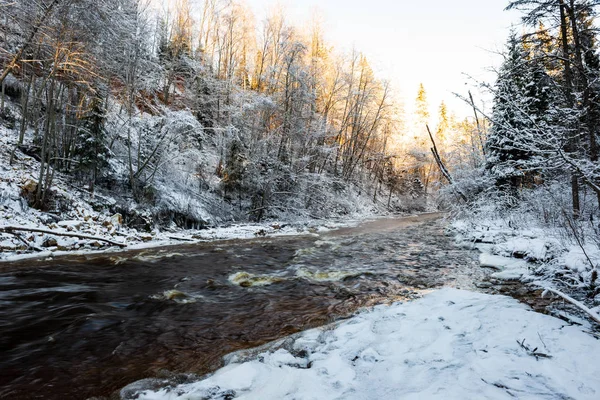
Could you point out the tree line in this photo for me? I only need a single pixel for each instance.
(117, 85)
(546, 109)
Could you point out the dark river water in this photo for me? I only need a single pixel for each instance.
(87, 326)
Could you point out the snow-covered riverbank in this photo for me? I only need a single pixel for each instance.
(79, 212)
(539, 256)
(42, 245)
(451, 344)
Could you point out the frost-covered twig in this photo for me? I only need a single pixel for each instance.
(534, 352)
(576, 303)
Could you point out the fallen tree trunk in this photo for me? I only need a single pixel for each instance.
(576, 303)
(12, 229)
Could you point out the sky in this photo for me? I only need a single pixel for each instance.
(408, 42)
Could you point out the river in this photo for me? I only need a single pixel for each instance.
(86, 326)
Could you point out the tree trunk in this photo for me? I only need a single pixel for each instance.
(571, 141)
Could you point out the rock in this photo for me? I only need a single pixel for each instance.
(96, 244)
(70, 225)
(146, 238)
(116, 220)
(28, 190)
(48, 218)
(49, 242)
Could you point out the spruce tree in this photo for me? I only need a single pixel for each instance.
(521, 117)
(91, 149)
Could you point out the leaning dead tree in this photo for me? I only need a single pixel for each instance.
(441, 166)
(12, 229)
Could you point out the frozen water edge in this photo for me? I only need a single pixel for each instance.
(166, 239)
(451, 344)
(539, 256)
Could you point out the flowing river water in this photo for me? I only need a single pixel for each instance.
(86, 326)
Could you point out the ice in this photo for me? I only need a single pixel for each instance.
(451, 344)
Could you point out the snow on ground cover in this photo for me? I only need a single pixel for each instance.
(84, 219)
(451, 344)
(137, 241)
(527, 248)
(509, 268)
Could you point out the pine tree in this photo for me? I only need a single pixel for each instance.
(443, 124)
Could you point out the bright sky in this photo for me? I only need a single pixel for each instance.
(413, 41)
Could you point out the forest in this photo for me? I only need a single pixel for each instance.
(199, 200)
(197, 113)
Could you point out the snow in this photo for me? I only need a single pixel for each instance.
(576, 259)
(533, 254)
(509, 268)
(83, 212)
(84, 216)
(451, 344)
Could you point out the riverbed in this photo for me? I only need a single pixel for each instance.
(86, 326)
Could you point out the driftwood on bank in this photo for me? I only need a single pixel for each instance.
(441, 166)
(576, 303)
(13, 229)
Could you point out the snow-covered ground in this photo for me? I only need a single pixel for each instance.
(451, 344)
(536, 255)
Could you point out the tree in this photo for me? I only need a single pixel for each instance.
(573, 76)
(525, 125)
(91, 142)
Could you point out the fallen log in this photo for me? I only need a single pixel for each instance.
(12, 229)
(576, 303)
(181, 239)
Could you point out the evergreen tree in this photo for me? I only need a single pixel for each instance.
(521, 118)
(443, 123)
(90, 146)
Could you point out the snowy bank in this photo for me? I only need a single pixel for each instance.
(94, 215)
(540, 256)
(451, 344)
(135, 240)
